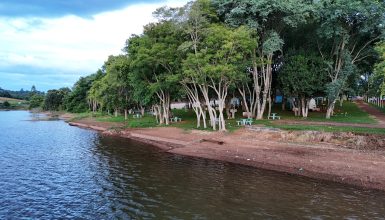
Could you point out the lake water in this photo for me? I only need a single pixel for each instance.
(49, 170)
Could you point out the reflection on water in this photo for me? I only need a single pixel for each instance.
(51, 170)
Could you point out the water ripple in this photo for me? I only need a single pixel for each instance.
(49, 170)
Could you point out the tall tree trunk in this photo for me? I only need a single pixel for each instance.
(158, 114)
(228, 107)
(193, 96)
(305, 106)
(222, 122)
(295, 108)
(212, 112)
(203, 113)
(330, 109)
(262, 75)
(221, 91)
(283, 103)
(270, 105)
(125, 114)
(251, 105)
(142, 110)
(164, 108)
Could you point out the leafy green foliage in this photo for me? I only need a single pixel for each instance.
(76, 101)
(347, 32)
(222, 50)
(36, 101)
(112, 90)
(303, 75)
(377, 84)
(54, 99)
(6, 104)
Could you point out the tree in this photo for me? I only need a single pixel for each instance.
(215, 64)
(195, 20)
(155, 63)
(348, 30)
(54, 99)
(377, 81)
(6, 104)
(36, 101)
(268, 18)
(5, 93)
(112, 90)
(76, 101)
(303, 75)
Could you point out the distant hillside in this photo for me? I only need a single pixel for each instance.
(3, 99)
(11, 103)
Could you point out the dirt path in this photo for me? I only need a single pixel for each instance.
(265, 150)
(380, 116)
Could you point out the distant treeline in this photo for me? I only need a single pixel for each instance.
(21, 94)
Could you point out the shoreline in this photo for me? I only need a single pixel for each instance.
(318, 161)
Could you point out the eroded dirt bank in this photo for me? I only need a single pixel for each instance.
(317, 155)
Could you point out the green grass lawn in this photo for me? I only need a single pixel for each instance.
(144, 122)
(348, 113)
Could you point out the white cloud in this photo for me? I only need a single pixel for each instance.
(71, 44)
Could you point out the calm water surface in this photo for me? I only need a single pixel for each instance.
(49, 170)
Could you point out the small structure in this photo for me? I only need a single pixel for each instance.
(278, 99)
(179, 105)
(233, 111)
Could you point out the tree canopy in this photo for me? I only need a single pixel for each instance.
(253, 49)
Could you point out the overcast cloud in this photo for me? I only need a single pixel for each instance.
(52, 49)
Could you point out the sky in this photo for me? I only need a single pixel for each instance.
(52, 43)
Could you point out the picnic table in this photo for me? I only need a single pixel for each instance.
(175, 119)
(274, 116)
(245, 121)
(137, 116)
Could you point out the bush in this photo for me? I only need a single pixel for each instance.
(6, 104)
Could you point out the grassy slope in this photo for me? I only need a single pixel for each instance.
(15, 103)
(11, 100)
